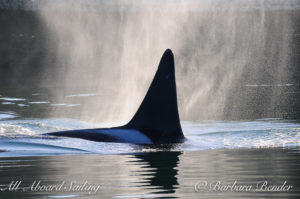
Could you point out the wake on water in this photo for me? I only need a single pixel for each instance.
(24, 137)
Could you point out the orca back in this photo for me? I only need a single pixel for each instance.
(157, 116)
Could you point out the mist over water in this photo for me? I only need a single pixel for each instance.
(84, 64)
(224, 51)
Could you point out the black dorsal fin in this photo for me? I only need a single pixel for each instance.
(157, 116)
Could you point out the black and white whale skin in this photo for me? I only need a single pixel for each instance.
(155, 122)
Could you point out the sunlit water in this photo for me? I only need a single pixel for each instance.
(23, 137)
(226, 152)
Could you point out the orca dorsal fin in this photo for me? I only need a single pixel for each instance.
(157, 116)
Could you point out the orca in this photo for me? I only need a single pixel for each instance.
(156, 120)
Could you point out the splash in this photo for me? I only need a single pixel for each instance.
(9, 130)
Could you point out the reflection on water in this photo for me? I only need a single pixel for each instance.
(156, 174)
(164, 172)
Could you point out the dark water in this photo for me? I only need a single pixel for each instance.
(156, 174)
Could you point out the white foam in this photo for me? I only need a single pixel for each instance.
(58, 104)
(23, 105)
(7, 115)
(82, 95)
(8, 103)
(12, 99)
(10, 130)
(39, 102)
(72, 105)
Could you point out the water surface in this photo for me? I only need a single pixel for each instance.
(230, 159)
